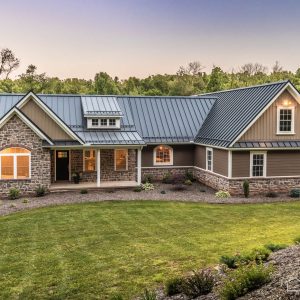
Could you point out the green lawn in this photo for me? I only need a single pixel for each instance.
(89, 251)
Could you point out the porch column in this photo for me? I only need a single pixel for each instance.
(139, 166)
(98, 167)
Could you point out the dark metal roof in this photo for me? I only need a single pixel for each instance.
(233, 112)
(167, 119)
(100, 106)
(267, 144)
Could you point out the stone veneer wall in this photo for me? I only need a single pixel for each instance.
(15, 133)
(212, 180)
(160, 172)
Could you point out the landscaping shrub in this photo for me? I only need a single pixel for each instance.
(230, 261)
(117, 297)
(147, 186)
(275, 247)
(14, 193)
(271, 194)
(295, 193)
(246, 188)
(188, 182)
(174, 286)
(189, 176)
(200, 283)
(40, 191)
(244, 280)
(25, 201)
(148, 295)
(222, 194)
(148, 179)
(257, 255)
(167, 179)
(83, 191)
(137, 189)
(76, 177)
(297, 240)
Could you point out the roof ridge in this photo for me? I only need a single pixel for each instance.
(245, 87)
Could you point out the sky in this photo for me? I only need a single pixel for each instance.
(78, 38)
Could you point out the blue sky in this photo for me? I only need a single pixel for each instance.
(78, 38)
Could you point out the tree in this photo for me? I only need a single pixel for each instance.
(8, 62)
(253, 69)
(217, 80)
(193, 68)
(277, 68)
(105, 85)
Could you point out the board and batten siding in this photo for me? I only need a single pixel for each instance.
(183, 155)
(265, 128)
(44, 122)
(220, 160)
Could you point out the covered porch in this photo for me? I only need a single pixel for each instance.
(110, 167)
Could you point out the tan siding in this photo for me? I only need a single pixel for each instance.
(283, 163)
(200, 157)
(220, 164)
(183, 155)
(264, 129)
(43, 121)
(241, 164)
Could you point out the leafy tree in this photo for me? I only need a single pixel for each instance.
(105, 85)
(8, 62)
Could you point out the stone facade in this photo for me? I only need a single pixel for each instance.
(15, 133)
(159, 173)
(212, 180)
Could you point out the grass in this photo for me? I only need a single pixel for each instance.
(97, 250)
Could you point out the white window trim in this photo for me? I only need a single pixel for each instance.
(107, 126)
(14, 155)
(212, 159)
(92, 149)
(265, 163)
(155, 163)
(115, 161)
(278, 132)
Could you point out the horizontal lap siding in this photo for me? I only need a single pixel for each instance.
(220, 164)
(183, 155)
(240, 164)
(200, 157)
(283, 163)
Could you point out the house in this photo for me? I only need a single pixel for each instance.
(223, 138)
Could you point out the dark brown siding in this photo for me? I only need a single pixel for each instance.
(183, 155)
(283, 163)
(241, 164)
(200, 157)
(220, 164)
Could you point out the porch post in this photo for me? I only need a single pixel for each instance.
(139, 166)
(98, 167)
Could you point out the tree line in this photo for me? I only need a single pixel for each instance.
(188, 80)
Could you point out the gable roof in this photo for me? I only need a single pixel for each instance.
(236, 110)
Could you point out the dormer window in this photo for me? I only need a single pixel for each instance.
(103, 123)
(285, 120)
(112, 122)
(95, 122)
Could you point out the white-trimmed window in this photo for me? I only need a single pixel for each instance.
(121, 159)
(112, 122)
(258, 165)
(209, 159)
(103, 122)
(95, 122)
(15, 163)
(163, 155)
(89, 160)
(285, 120)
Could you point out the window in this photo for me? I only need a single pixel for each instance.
(15, 163)
(121, 159)
(95, 122)
(89, 160)
(285, 123)
(112, 122)
(62, 154)
(258, 165)
(163, 155)
(209, 159)
(103, 122)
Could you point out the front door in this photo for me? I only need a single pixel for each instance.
(62, 165)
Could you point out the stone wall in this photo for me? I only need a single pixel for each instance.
(159, 173)
(15, 133)
(212, 180)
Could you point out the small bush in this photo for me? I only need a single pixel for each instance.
(137, 189)
(275, 247)
(148, 295)
(189, 176)
(271, 195)
(163, 192)
(83, 191)
(246, 188)
(167, 179)
(25, 201)
(188, 182)
(222, 194)
(257, 255)
(14, 193)
(244, 280)
(230, 261)
(117, 297)
(40, 191)
(200, 283)
(174, 286)
(295, 193)
(179, 187)
(148, 179)
(297, 240)
(147, 186)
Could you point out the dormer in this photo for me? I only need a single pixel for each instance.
(101, 112)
